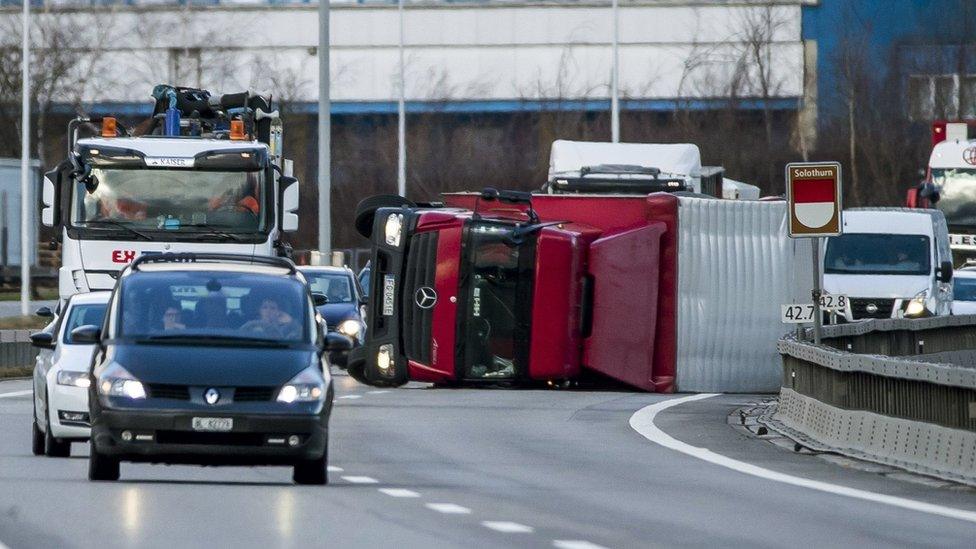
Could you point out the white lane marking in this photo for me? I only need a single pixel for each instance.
(448, 508)
(334, 469)
(361, 480)
(575, 544)
(507, 527)
(16, 394)
(2, 546)
(351, 396)
(643, 422)
(399, 493)
(376, 392)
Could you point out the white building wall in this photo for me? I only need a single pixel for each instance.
(504, 51)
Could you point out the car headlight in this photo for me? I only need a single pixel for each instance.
(308, 386)
(385, 360)
(117, 381)
(349, 327)
(393, 229)
(916, 307)
(74, 379)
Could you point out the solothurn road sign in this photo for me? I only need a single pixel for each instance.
(813, 190)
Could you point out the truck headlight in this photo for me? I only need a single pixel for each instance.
(74, 379)
(307, 386)
(916, 307)
(393, 229)
(384, 360)
(349, 328)
(117, 381)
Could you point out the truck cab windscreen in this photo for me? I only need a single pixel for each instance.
(957, 195)
(190, 202)
(497, 291)
(878, 254)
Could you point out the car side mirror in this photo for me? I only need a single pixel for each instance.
(88, 333)
(944, 272)
(44, 312)
(319, 299)
(337, 342)
(43, 340)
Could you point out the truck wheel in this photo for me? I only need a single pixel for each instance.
(102, 467)
(54, 447)
(366, 210)
(313, 471)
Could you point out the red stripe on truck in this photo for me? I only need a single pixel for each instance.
(813, 190)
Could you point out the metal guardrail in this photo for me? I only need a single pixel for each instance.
(901, 392)
(16, 351)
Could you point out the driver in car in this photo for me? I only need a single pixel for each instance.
(272, 322)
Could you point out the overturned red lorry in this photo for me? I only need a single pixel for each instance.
(503, 286)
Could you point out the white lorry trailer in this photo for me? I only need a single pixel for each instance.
(205, 174)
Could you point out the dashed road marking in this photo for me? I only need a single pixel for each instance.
(643, 422)
(507, 527)
(361, 480)
(351, 396)
(448, 508)
(376, 392)
(575, 544)
(334, 469)
(399, 493)
(16, 394)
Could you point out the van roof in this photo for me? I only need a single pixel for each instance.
(892, 220)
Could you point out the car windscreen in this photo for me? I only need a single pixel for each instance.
(83, 315)
(886, 254)
(964, 288)
(215, 305)
(335, 286)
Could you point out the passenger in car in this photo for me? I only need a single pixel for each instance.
(172, 318)
(273, 322)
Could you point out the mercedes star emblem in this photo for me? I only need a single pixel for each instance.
(211, 396)
(425, 297)
(871, 308)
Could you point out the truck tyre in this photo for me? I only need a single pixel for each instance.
(102, 467)
(313, 471)
(366, 210)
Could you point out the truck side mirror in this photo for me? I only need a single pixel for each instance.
(289, 203)
(944, 272)
(48, 200)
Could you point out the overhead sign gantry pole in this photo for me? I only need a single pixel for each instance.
(25, 227)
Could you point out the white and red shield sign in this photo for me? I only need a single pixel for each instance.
(814, 191)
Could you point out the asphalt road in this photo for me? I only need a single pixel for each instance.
(425, 467)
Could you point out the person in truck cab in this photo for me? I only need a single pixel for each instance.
(240, 199)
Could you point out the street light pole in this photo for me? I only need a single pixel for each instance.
(401, 116)
(325, 134)
(615, 78)
(25, 252)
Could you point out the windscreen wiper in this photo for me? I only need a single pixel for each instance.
(122, 226)
(214, 232)
(231, 340)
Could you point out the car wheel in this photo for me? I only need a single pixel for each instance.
(313, 471)
(366, 210)
(102, 467)
(37, 438)
(54, 447)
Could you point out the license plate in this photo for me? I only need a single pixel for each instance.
(213, 424)
(388, 287)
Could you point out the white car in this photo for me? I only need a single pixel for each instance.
(964, 291)
(61, 377)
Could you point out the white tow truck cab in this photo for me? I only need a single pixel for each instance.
(637, 168)
(890, 263)
(206, 175)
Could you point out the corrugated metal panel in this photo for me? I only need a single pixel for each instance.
(736, 267)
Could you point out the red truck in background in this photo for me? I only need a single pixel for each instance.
(459, 293)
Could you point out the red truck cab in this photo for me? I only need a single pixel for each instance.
(508, 287)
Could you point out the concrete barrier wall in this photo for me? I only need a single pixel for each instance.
(16, 351)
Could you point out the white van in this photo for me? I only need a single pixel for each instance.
(891, 263)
